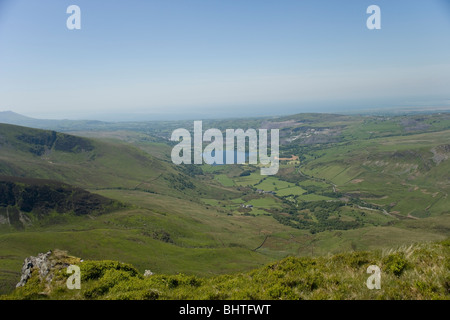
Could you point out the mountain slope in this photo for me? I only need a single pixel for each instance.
(189, 219)
(91, 164)
(24, 201)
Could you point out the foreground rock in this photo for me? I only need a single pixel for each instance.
(41, 263)
(45, 265)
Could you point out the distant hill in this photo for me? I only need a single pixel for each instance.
(13, 118)
(9, 117)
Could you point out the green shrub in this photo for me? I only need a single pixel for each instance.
(353, 260)
(144, 294)
(278, 291)
(110, 279)
(32, 290)
(395, 264)
(447, 285)
(181, 280)
(91, 270)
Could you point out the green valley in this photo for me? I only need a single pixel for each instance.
(360, 183)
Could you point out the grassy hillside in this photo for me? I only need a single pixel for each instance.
(170, 236)
(405, 175)
(362, 183)
(107, 167)
(420, 271)
(91, 164)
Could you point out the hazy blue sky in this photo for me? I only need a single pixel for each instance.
(221, 57)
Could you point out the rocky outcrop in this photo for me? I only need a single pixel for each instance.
(45, 265)
(441, 153)
(41, 262)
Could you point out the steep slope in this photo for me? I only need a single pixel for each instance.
(164, 219)
(24, 201)
(91, 164)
